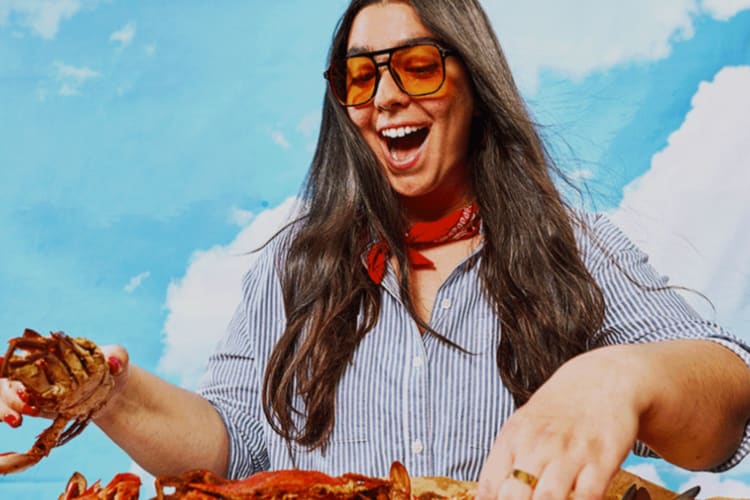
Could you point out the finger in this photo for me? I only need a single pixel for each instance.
(13, 419)
(11, 403)
(117, 358)
(496, 468)
(27, 408)
(13, 394)
(592, 483)
(519, 484)
(558, 480)
(17, 399)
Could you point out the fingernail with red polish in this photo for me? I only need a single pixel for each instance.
(12, 420)
(30, 410)
(22, 395)
(114, 365)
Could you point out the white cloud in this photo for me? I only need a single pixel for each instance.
(647, 472)
(150, 49)
(136, 281)
(71, 78)
(124, 36)
(279, 139)
(690, 210)
(714, 485)
(201, 303)
(724, 9)
(43, 17)
(241, 217)
(577, 38)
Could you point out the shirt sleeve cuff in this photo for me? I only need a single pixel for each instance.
(247, 452)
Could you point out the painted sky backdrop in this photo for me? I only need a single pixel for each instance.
(146, 146)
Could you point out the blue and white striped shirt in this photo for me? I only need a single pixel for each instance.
(411, 398)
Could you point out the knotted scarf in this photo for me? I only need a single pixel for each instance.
(458, 225)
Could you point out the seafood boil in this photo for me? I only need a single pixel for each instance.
(67, 379)
(303, 484)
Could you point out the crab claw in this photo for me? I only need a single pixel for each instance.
(123, 486)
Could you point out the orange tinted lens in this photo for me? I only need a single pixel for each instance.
(360, 80)
(419, 68)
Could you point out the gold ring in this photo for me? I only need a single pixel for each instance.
(524, 477)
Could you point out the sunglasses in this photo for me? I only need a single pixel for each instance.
(417, 68)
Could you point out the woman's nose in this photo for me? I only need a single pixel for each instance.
(389, 94)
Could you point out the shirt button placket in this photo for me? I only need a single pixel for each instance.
(417, 447)
(420, 459)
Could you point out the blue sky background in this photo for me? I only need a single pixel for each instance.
(145, 146)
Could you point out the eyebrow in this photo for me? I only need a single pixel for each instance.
(359, 50)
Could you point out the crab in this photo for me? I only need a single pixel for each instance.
(125, 486)
(67, 379)
(285, 484)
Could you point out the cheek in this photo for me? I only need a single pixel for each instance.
(359, 117)
(460, 116)
(458, 97)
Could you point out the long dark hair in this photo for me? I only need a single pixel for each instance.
(530, 268)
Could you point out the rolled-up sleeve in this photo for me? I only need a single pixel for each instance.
(232, 382)
(641, 307)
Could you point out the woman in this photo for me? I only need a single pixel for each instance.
(505, 338)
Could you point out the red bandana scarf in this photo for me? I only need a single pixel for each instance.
(459, 225)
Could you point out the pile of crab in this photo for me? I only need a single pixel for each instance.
(286, 484)
(313, 485)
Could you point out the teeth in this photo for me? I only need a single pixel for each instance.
(393, 133)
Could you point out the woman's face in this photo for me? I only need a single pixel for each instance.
(427, 168)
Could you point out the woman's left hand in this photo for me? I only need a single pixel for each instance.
(572, 435)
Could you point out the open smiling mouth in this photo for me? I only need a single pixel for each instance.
(404, 142)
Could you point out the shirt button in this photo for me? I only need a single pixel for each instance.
(417, 447)
(446, 303)
(418, 361)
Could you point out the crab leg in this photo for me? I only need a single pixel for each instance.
(73, 430)
(16, 462)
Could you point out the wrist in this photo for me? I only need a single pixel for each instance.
(117, 399)
(623, 370)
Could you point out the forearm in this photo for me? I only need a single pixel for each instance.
(164, 428)
(698, 401)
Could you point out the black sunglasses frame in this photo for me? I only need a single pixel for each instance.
(330, 75)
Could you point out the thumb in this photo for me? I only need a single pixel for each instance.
(117, 357)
